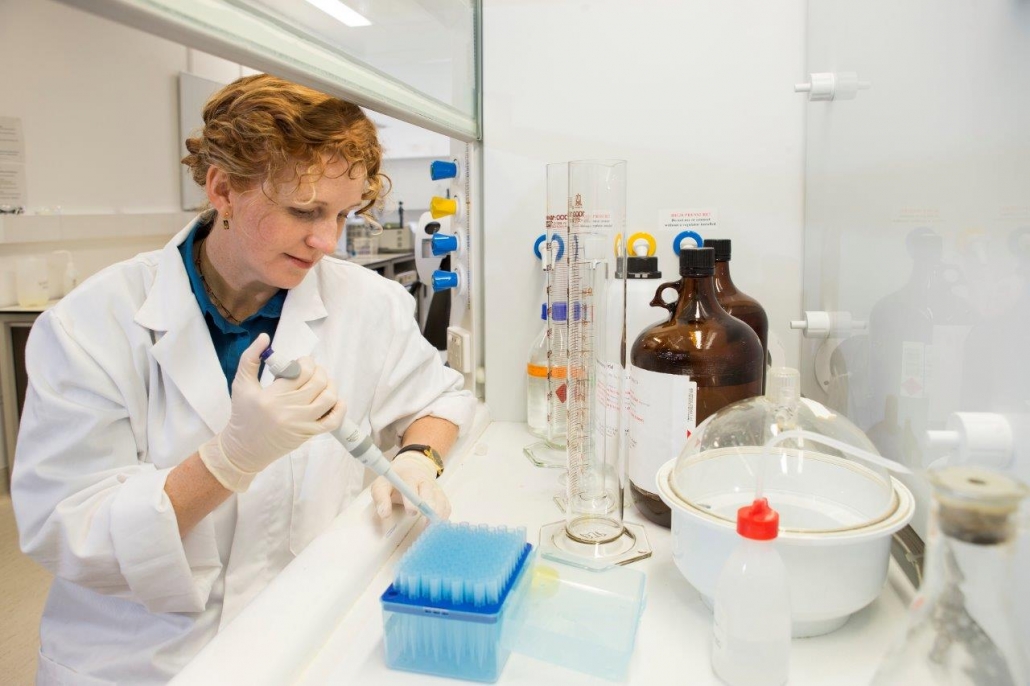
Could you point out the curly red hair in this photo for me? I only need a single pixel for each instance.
(262, 129)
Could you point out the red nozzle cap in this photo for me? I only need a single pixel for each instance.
(758, 521)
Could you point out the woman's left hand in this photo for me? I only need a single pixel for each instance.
(419, 472)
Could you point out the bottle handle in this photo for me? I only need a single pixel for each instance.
(659, 301)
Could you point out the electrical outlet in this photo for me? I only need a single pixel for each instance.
(459, 349)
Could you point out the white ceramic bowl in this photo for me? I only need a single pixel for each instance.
(833, 572)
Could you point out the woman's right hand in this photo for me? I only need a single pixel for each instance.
(266, 423)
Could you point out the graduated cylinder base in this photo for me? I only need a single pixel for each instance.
(631, 546)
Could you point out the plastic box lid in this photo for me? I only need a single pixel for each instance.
(578, 614)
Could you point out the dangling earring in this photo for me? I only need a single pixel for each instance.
(225, 224)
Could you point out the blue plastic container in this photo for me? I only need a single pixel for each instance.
(446, 610)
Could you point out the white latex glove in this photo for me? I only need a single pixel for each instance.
(266, 423)
(419, 472)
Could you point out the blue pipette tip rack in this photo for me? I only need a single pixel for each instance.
(444, 613)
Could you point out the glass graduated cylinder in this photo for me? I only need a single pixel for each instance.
(596, 213)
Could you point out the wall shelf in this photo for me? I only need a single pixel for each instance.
(45, 228)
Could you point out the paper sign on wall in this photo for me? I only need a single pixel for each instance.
(702, 221)
(12, 164)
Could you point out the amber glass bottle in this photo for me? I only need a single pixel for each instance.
(683, 370)
(736, 302)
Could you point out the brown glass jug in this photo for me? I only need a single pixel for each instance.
(736, 302)
(683, 370)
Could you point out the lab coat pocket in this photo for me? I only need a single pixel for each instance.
(325, 479)
(52, 673)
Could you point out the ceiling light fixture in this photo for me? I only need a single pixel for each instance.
(341, 13)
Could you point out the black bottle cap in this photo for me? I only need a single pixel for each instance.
(640, 267)
(721, 247)
(697, 262)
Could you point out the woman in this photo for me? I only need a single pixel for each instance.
(160, 481)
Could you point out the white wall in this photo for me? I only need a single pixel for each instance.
(99, 111)
(412, 186)
(99, 108)
(695, 94)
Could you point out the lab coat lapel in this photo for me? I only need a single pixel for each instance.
(301, 319)
(262, 545)
(183, 346)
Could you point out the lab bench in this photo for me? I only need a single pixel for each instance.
(320, 621)
(387, 264)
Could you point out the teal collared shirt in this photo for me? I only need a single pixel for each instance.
(230, 340)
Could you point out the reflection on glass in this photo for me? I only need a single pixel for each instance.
(1002, 335)
(917, 336)
(427, 45)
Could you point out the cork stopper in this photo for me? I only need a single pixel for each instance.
(977, 505)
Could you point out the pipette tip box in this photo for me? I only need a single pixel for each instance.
(445, 612)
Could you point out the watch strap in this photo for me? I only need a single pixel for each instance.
(426, 451)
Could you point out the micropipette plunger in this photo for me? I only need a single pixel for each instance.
(355, 441)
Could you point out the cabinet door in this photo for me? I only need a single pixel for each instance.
(414, 60)
(917, 224)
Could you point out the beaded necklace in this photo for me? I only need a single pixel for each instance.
(207, 288)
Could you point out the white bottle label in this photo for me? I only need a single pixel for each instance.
(606, 391)
(913, 370)
(662, 415)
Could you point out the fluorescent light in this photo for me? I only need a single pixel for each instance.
(340, 12)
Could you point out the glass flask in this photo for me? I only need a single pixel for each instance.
(682, 371)
(733, 300)
(960, 626)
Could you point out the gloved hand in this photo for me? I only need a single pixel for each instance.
(420, 473)
(267, 423)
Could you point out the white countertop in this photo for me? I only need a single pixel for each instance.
(381, 258)
(320, 622)
(31, 309)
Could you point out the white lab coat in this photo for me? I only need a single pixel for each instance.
(125, 384)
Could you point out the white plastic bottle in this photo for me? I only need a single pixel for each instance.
(642, 279)
(751, 641)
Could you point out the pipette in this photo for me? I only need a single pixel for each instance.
(357, 443)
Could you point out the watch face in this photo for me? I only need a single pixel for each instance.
(429, 452)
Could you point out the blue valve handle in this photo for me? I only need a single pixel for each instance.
(440, 169)
(554, 237)
(693, 235)
(443, 243)
(442, 280)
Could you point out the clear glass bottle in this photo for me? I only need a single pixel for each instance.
(960, 626)
(735, 301)
(553, 432)
(684, 370)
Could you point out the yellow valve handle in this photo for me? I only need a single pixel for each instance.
(652, 246)
(443, 207)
